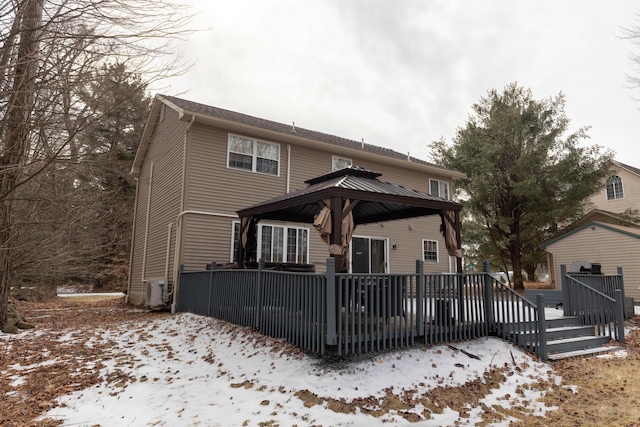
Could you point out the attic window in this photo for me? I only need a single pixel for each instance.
(338, 163)
(614, 188)
(253, 155)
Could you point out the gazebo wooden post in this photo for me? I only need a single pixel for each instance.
(458, 226)
(336, 230)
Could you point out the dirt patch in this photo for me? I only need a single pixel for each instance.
(595, 391)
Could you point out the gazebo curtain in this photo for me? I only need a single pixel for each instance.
(448, 230)
(323, 224)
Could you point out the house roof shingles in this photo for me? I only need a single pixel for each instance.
(627, 167)
(244, 119)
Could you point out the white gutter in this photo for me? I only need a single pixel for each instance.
(146, 227)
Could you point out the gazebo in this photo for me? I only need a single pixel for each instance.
(337, 202)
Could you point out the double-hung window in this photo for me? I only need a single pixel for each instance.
(614, 188)
(430, 250)
(278, 243)
(253, 155)
(284, 244)
(439, 188)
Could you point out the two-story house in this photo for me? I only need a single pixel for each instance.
(197, 165)
(604, 236)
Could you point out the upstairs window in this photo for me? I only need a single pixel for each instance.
(439, 188)
(430, 250)
(338, 163)
(614, 188)
(253, 155)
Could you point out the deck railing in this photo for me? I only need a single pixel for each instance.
(594, 307)
(356, 313)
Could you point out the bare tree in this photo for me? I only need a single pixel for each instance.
(632, 34)
(53, 53)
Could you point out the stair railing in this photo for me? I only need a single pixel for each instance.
(594, 308)
(514, 318)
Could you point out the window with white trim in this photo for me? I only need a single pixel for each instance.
(253, 155)
(278, 243)
(235, 236)
(430, 250)
(614, 188)
(439, 188)
(338, 163)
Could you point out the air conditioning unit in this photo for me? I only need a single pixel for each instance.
(156, 291)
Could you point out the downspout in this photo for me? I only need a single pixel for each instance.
(146, 229)
(178, 251)
(288, 167)
(131, 245)
(176, 258)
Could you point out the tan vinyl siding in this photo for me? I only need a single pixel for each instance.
(206, 239)
(166, 153)
(409, 243)
(211, 186)
(631, 188)
(609, 248)
(309, 163)
(215, 189)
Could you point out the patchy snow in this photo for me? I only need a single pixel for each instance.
(90, 294)
(192, 370)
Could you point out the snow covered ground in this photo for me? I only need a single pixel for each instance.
(188, 370)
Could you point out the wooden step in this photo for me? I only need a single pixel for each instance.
(563, 321)
(563, 345)
(569, 332)
(586, 352)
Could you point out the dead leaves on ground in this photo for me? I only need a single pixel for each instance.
(65, 356)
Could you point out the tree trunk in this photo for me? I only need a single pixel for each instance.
(530, 269)
(515, 247)
(16, 138)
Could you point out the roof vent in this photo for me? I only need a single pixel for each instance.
(293, 127)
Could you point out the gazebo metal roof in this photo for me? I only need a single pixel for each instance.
(369, 200)
(377, 200)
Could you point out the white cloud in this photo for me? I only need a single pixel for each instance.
(402, 74)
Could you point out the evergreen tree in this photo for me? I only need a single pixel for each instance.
(523, 176)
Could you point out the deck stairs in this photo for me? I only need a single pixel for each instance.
(567, 337)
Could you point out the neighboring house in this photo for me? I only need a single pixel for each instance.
(608, 244)
(603, 235)
(621, 191)
(198, 165)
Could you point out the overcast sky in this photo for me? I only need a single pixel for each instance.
(401, 74)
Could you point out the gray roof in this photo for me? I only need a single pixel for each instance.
(378, 200)
(231, 116)
(627, 167)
